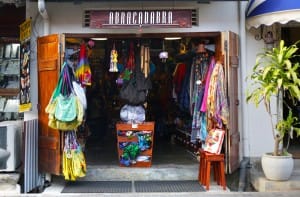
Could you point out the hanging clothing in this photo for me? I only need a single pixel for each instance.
(83, 71)
(178, 77)
(217, 103)
(207, 82)
(184, 95)
(197, 84)
(198, 72)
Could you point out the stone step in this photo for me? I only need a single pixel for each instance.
(9, 183)
(155, 172)
(261, 184)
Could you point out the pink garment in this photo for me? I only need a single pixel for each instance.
(207, 80)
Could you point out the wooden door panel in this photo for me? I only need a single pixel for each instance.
(231, 54)
(48, 65)
(48, 71)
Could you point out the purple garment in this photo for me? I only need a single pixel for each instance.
(207, 80)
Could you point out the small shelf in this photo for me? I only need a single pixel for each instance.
(147, 129)
(9, 69)
(183, 138)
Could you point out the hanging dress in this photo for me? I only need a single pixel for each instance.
(217, 103)
(199, 72)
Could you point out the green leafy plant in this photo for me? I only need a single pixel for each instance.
(275, 74)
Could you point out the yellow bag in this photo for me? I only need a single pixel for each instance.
(50, 108)
(74, 164)
(67, 166)
(62, 125)
(78, 163)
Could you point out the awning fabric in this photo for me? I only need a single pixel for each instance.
(267, 12)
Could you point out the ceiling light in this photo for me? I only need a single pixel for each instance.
(98, 38)
(172, 38)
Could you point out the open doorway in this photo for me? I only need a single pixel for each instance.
(290, 35)
(172, 122)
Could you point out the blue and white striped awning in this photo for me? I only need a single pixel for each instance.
(267, 12)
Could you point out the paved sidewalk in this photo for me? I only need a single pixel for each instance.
(194, 194)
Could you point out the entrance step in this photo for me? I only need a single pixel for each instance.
(261, 184)
(9, 183)
(155, 172)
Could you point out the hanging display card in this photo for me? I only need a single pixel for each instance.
(214, 141)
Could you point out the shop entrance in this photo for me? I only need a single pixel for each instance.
(172, 122)
(172, 133)
(291, 35)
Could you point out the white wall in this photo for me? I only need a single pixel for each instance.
(216, 16)
(256, 121)
(67, 17)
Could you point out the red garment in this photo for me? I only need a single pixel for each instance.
(130, 62)
(178, 77)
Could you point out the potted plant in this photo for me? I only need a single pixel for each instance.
(275, 75)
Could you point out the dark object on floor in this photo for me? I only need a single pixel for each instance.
(168, 186)
(132, 186)
(98, 187)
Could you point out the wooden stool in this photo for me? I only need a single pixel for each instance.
(201, 166)
(208, 160)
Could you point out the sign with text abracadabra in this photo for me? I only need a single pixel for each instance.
(141, 18)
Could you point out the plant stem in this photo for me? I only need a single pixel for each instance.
(275, 137)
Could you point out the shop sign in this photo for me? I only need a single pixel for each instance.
(25, 30)
(25, 98)
(141, 18)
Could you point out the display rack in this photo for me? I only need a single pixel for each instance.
(10, 68)
(183, 137)
(127, 134)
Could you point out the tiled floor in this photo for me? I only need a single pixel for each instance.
(170, 161)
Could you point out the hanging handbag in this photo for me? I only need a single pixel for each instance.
(129, 113)
(74, 164)
(65, 108)
(64, 125)
(80, 93)
(134, 92)
(131, 95)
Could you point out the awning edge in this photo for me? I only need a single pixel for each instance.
(270, 18)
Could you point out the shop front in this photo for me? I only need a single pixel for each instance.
(174, 38)
(172, 31)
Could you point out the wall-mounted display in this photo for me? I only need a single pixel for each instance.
(7, 51)
(9, 69)
(1, 50)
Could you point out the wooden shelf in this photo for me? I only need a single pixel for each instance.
(148, 128)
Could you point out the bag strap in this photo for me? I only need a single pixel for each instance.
(67, 86)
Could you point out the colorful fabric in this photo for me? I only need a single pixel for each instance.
(207, 81)
(83, 71)
(74, 164)
(199, 72)
(131, 59)
(217, 104)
